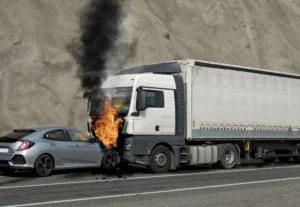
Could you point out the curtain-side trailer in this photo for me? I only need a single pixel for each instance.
(194, 112)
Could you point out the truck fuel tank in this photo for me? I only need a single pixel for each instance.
(203, 154)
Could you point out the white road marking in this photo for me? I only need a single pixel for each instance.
(156, 192)
(147, 177)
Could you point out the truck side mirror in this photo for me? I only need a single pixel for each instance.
(141, 100)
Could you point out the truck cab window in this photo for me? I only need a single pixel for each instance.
(155, 99)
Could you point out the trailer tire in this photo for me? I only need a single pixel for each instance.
(228, 157)
(160, 159)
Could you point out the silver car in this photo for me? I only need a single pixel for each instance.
(49, 149)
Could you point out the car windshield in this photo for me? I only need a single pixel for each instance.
(118, 97)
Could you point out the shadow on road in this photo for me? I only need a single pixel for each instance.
(131, 170)
(16, 177)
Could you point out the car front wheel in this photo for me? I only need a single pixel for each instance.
(110, 160)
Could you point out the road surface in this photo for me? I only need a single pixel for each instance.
(250, 185)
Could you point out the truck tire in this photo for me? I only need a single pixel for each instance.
(228, 157)
(160, 159)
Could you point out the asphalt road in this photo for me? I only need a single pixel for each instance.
(250, 185)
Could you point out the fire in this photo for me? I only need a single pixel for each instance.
(107, 125)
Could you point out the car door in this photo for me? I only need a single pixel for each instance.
(59, 145)
(86, 152)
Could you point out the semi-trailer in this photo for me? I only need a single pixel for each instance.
(193, 112)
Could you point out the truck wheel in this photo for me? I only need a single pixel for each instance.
(229, 156)
(44, 165)
(160, 159)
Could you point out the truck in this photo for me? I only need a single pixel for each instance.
(193, 112)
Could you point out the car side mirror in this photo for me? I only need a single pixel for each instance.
(141, 100)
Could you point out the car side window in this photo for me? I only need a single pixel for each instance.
(78, 136)
(155, 99)
(56, 135)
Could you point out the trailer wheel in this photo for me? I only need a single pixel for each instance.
(229, 156)
(160, 159)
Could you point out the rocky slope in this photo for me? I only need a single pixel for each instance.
(38, 82)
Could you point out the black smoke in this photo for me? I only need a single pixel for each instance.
(99, 27)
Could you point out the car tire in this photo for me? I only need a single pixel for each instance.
(44, 165)
(228, 157)
(160, 159)
(110, 160)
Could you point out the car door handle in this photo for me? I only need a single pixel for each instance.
(53, 144)
(157, 128)
(77, 145)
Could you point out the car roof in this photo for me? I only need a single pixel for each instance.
(46, 128)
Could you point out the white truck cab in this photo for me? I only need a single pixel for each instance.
(155, 115)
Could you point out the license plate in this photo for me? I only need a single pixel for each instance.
(3, 150)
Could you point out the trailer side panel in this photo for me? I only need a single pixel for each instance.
(242, 105)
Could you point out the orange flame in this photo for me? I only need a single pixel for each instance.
(107, 125)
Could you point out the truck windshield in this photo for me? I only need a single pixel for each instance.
(116, 96)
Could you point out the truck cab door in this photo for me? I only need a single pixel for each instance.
(158, 118)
